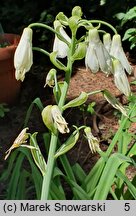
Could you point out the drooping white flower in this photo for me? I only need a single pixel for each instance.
(23, 58)
(120, 78)
(97, 57)
(60, 46)
(118, 53)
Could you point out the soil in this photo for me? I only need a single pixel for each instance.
(104, 123)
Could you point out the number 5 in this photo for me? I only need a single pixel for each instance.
(127, 207)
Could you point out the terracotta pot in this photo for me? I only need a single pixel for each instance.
(9, 86)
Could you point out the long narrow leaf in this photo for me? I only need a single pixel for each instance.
(36, 102)
(21, 190)
(131, 187)
(11, 161)
(128, 195)
(79, 173)
(36, 174)
(12, 188)
(108, 175)
(37, 155)
(93, 177)
(82, 195)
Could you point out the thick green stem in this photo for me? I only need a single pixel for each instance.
(54, 138)
(50, 164)
(52, 149)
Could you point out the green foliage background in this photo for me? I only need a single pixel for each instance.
(14, 14)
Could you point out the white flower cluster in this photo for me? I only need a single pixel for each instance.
(107, 56)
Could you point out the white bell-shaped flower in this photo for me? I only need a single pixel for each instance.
(60, 46)
(118, 53)
(23, 58)
(97, 57)
(120, 78)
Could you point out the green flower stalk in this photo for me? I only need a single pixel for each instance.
(23, 58)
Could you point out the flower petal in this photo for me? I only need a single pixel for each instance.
(120, 78)
(118, 52)
(23, 57)
(91, 60)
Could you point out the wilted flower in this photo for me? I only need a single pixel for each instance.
(53, 119)
(118, 53)
(23, 58)
(93, 141)
(97, 57)
(120, 78)
(21, 139)
(114, 102)
(60, 46)
(50, 78)
(59, 120)
(107, 41)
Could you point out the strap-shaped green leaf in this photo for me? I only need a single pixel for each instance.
(37, 155)
(107, 177)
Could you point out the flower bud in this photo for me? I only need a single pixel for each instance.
(62, 18)
(23, 58)
(77, 11)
